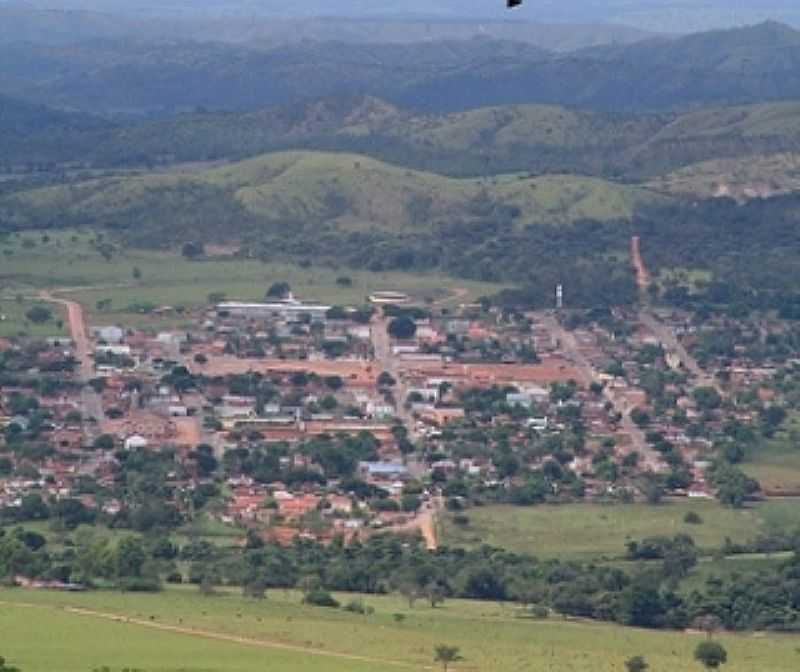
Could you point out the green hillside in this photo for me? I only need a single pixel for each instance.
(740, 178)
(486, 141)
(314, 187)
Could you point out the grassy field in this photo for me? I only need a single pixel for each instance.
(776, 462)
(70, 260)
(593, 530)
(280, 634)
(13, 321)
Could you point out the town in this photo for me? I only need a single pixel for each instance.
(289, 419)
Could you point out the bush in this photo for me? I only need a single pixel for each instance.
(540, 612)
(692, 518)
(320, 598)
(174, 577)
(355, 607)
(140, 584)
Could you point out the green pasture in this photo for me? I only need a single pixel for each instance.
(280, 634)
(69, 260)
(776, 463)
(596, 530)
(15, 323)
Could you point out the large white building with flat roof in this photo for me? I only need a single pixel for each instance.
(288, 309)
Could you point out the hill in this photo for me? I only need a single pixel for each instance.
(740, 179)
(753, 64)
(351, 210)
(46, 26)
(349, 190)
(661, 15)
(133, 76)
(538, 139)
(19, 118)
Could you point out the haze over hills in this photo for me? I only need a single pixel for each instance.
(659, 15)
(747, 65)
(58, 27)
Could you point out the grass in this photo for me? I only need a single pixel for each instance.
(350, 189)
(14, 322)
(776, 462)
(490, 636)
(594, 530)
(741, 178)
(68, 259)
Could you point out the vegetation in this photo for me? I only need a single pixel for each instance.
(490, 637)
(594, 530)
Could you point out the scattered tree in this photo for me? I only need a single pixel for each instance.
(636, 664)
(402, 328)
(447, 655)
(39, 314)
(711, 655)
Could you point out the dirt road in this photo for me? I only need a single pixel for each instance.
(642, 276)
(671, 343)
(91, 401)
(587, 375)
(78, 332)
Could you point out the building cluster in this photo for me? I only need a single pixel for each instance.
(308, 419)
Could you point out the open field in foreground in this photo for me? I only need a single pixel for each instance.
(180, 630)
(69, 259)
(596, 530)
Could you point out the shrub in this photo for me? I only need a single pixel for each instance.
(321, 598)
(692, 518)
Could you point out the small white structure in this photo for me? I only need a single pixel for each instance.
(136, 442)
(111, 335)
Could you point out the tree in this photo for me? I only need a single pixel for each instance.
(636, 664)
(402, 328)
(39, 314)
(104, 442)
(4, 667)
(711, 655)
(386, 380)
(136, 273)
(279, 290)
(446, 655)
(708, 623)
(193, 250)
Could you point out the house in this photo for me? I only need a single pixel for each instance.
(442, 416)
(386, 471)
(519, 399)
(136, 442)
(297, 507)
(111, 335)
(285, 309)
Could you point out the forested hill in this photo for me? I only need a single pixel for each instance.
(525, 138)
(18, 118)
(759, 63)
(133, 76)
